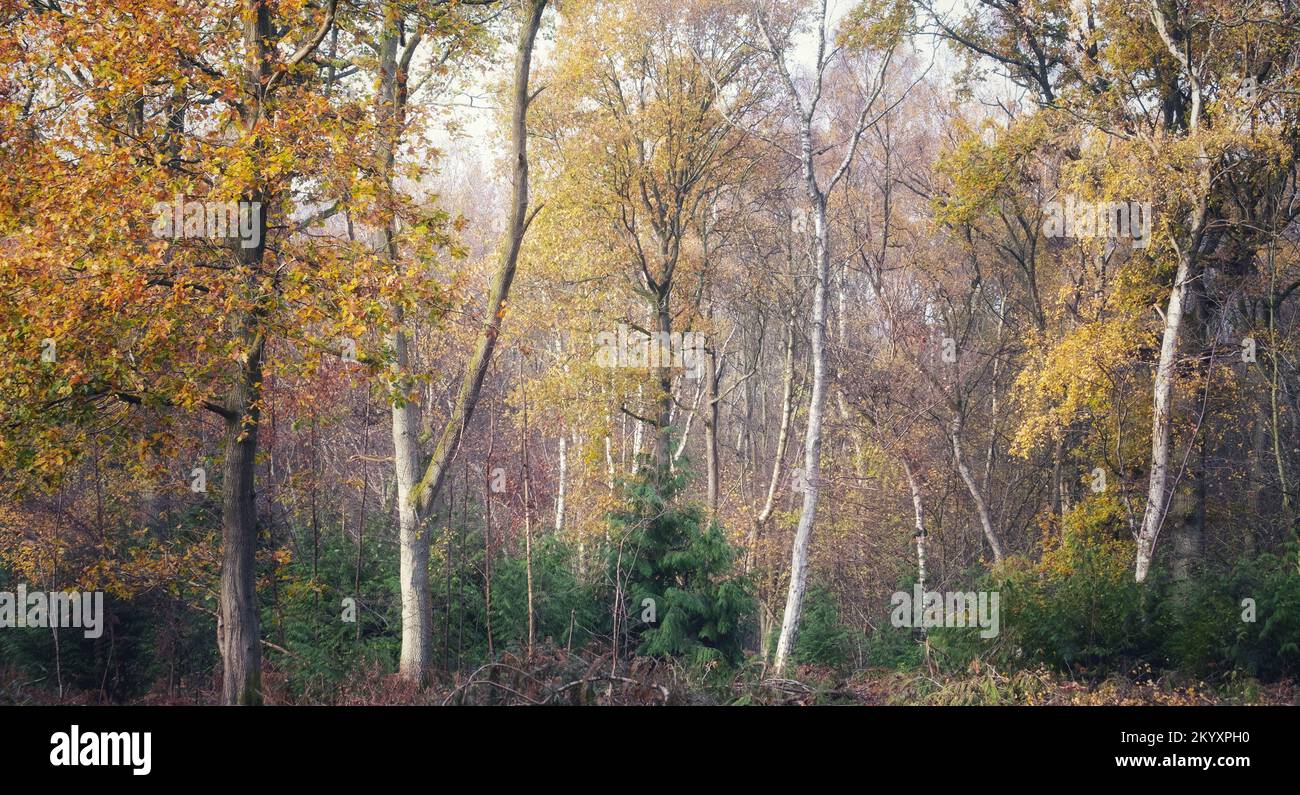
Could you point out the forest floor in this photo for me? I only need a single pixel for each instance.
(1048, 688)
(559, 679)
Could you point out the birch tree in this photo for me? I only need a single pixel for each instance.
(803, 106)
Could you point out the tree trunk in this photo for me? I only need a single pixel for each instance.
(822, 266)
(416, 655)
(662, 449)
(812, 438)
(782, 440)
(238, 624)
(1154, 515)
(1189, 544)
(918, 511)
(981, 505)
(238, 630)
(476, 369)
(413, 538)
(609, 464)
(711, 429)
(561, 477)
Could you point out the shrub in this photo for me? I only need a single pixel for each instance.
(1214, 631)
(1079, 606)
(565, 610)
(671, 565)
(823, 640)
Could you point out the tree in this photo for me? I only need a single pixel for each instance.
(671, 575)
(211, 119)
(884, 31)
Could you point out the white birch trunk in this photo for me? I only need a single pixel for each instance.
(918, 510)
(413, 541)
(813, 436)
(1154, 515)
(561, 486)
(981, 505)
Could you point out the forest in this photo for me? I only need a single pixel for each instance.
(613, 352)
